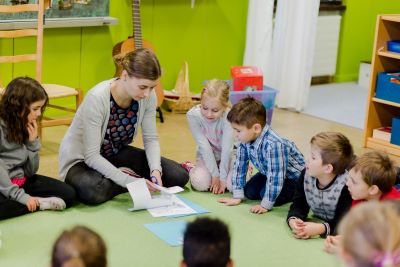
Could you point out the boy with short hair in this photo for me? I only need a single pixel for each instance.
(322, 186)
(206, 242)
(277, 159)
(371, 178)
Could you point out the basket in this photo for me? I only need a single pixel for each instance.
(180, 99)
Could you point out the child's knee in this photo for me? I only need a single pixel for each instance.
(200, 179)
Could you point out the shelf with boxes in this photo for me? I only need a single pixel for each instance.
(248, 81)
(383, 107)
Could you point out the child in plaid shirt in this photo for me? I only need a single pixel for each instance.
(277, 159)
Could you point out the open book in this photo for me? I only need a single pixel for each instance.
(164, 204)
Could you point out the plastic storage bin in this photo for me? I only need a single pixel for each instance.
(393, 46)
(388, 86)
(266, 96)
(395, 137)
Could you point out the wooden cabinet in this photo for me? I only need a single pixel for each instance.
(380, 112)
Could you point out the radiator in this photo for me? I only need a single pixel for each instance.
(326, 46)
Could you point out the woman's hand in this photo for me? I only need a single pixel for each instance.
(155, 176)
(32, 128)
(32, 204)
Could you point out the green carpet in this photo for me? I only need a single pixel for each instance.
(257, 240)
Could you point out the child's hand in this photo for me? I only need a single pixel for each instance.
(32, 131)
(230, 201)
(296, 225)
(222, 187)
(32, 204)
(310, 229)
(332, 243)
(214, 188)
(258, 209)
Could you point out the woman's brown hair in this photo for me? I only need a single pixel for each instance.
(142, 63)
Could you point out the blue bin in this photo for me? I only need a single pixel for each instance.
(266, 96)
(393, 46)
(395, 137)
(388, 86)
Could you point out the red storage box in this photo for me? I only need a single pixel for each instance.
(247, 78)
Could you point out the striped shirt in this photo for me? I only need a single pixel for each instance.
(275, 157)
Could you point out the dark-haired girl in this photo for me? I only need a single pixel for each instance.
(21, 189)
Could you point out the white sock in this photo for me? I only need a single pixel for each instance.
(51, 203)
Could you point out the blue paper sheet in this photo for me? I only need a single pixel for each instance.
(198, 209)
(171, 231)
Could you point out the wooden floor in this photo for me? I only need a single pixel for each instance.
(177, 143)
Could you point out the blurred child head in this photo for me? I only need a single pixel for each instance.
(79, 247)
(214, 99)
(23, 102)
(372, 174)
(331, 153)
(206, 243)
(248, 118)
(371, 235)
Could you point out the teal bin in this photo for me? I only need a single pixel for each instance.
(266, 96)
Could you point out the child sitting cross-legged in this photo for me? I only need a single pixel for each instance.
(277, 159)
(322, 187)
(371, 178)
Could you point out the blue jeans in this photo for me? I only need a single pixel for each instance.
(93, 188)
(255, 189)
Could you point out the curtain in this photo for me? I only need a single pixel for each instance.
(259, 33)
(290, 64)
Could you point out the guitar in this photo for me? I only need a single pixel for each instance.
(133, 43)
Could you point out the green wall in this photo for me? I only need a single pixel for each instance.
(211, 37)
(357, 34)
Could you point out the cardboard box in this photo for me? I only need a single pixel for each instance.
(383, 133)
(247, 78)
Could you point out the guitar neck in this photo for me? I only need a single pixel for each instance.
(137, 28)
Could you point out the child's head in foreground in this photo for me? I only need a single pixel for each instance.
(371, 175)
(371, 235)
(331, 153)
(206, 243)
(248, 118)
(79, 247)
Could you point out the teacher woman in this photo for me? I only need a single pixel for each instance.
(95, 155)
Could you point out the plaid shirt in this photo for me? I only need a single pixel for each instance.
(275, 157)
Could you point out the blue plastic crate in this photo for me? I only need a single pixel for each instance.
(266, 96)
(395, 136)
(388, 86)
(393, 46)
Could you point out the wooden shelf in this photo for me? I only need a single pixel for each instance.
(383, 146)
(393, 18)
(381, 112)
(389, 103)
(389, 54)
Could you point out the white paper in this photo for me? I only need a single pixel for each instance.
(178, 207)
(169, 190)
(142, 198)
